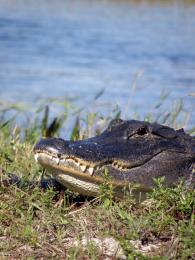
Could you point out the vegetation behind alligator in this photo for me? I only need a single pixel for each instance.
(133, 152)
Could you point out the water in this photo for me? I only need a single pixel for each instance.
(76, 48)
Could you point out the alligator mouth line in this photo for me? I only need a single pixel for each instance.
(88, 167)
(85, 170)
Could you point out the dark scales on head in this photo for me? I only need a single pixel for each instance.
(132, 151)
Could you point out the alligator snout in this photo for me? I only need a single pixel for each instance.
(51, 145)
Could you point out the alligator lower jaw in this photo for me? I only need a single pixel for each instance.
(74, 174)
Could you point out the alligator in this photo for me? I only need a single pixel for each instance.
(131, 153)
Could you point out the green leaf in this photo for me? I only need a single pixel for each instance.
(107, 203)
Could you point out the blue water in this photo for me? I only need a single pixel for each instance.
(76, 48)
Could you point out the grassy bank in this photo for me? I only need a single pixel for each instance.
(63, 225)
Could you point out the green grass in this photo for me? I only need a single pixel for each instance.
(47, 224)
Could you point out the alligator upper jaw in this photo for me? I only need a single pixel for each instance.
(83, 171)
(65, 163)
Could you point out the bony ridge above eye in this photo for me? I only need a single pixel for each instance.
(114, 123)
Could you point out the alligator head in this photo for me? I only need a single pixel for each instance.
(132, 152)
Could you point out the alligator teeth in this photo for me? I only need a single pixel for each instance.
(83, 168)
(119, 166)
(36, 157)
(115, 164)
(62, 161)
(77, 164)
(55, 160)
(58, 161)
(91, 170)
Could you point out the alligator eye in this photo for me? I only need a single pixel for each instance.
(142, 130)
